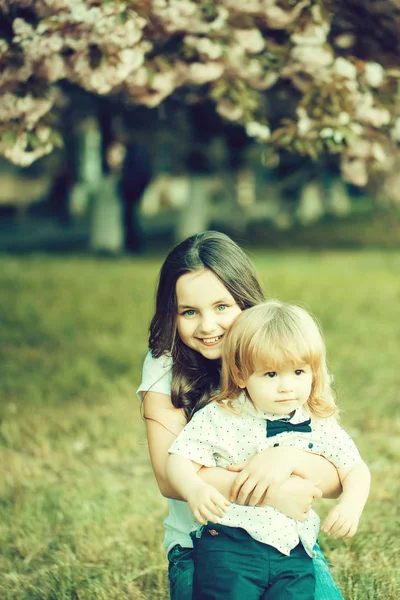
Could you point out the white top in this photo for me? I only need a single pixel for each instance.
(216, 436)
(157, 377)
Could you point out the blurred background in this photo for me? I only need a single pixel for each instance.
(124, 124)
(130, 179)
(124, 128)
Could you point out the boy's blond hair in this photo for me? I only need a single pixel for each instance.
(268, 336)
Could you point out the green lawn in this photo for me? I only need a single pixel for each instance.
(80, 513)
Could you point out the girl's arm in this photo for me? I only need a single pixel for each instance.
(164, 422)
(293, 497)
(259, 476)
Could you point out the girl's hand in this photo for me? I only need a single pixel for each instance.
(293, 497)
(207, 503)
(270, 467)
(342, 521)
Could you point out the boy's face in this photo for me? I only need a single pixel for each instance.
(280, 392)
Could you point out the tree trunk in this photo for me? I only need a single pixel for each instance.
(194, 216)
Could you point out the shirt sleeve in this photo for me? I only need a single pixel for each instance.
(198, 439)
(156, 375)
(339, 447)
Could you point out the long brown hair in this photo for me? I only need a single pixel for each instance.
(194, 378)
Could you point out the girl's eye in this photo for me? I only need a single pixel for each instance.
(299, 371)
(221, 307)
(271, 374)
(188, 313)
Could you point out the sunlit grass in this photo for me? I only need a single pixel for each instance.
(80, 513)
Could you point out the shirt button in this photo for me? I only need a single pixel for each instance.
(310, 445)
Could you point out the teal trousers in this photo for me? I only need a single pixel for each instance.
(231, 565)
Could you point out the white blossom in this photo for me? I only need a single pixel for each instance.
(258, 78)
(201, 73)
(326, 132)
(356, 128)
(312, 57)
(54, 68)
(234, 52)
(20, 155)
(355, 171)
(304, 123)
(360, 148)
(377, 117)
(4, 47)
(374, 74)
(344, 68)
(345, 40)
(205, 46)
(251, 40)
(395, 132)
(228, 110)
(164, 82)
(138, 78)
(278, 18)
(343, 118)
(378, 152)
(257, 130)
(312, 35)
(28, 107)
(330, 133)
(22, 30)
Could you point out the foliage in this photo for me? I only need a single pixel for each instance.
(330, 66)
(80, 510)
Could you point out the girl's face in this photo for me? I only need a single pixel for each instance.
(280, 392)
(205, 311)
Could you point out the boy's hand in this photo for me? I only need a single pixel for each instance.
(267, 468)
(342, 521)
(207, 503)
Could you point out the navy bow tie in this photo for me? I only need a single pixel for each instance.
(281, 425)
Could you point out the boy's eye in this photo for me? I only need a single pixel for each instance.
(271, 374)
(299, 371)
(221, 307)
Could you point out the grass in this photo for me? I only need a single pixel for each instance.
(80, 513)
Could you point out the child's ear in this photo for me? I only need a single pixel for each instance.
(241, 382)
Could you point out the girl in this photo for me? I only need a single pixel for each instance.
(205, 282)
(275, 391)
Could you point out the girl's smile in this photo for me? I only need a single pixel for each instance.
(211, 341)
(206, 310)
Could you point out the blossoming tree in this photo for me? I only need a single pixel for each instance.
(337, 60)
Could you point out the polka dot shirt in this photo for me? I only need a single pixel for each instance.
(216, 436)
